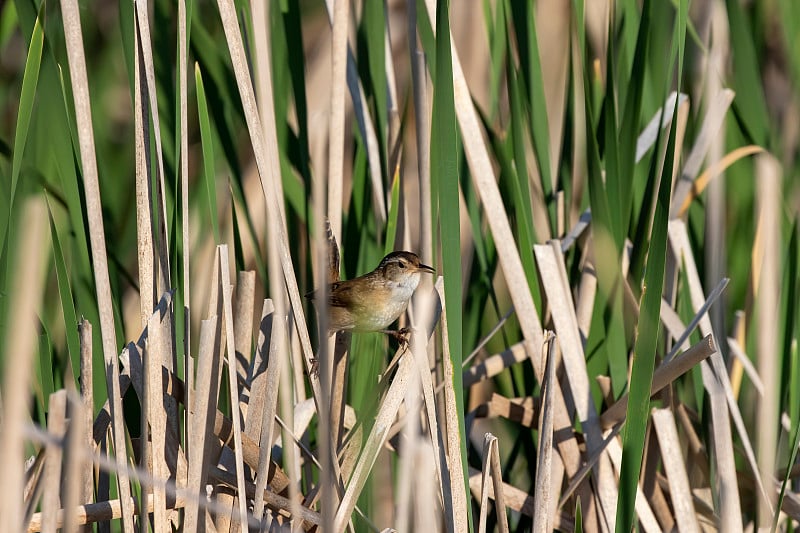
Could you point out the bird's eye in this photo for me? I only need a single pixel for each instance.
(402, 265)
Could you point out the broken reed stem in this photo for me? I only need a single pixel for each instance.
(663, 376)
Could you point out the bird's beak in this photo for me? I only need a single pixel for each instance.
(425, 268)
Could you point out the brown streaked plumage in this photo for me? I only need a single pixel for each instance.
(373, 301)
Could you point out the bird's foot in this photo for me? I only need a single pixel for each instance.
(403, 336)
(314, 367)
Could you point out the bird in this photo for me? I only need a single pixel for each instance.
(372, 302)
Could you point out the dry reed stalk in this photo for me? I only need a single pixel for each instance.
(155, 417)
(495, 477)
(243, 324)
(422, 123)
(56, 425)
(553, 36)
(768, 173)
(674, 324)
(427, 309)
(412, 454)
(87, 402)
(330, 211)
(227, 303)
(378, 434)
(519, 501)
(265, 151)
(163, 273)
(746, 365)
(663, 376)
(336, 122)
(258, 380)
(555, 281)
(365, 126)
(71, 489)
(495, 364)
(579, 170)
(200, 431)
(483, 174)
(83, 114)
(679, 242)
(183, 66)
(455, 496)
(99, 512)
(144, 217)
(643, 510)
(543, 487)
(33, 484)
(275, 242)
(427, 517)
(525, 412)
(262, 58)
(709, 130)
(264, 399)
(672, 459)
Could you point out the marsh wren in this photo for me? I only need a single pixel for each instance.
(373, 301)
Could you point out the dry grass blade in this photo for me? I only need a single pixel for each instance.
(33, 484)
(542, 520)
(94, 215)
(702, 181)
(672, 458)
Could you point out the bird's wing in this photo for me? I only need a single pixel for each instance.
(340, 294)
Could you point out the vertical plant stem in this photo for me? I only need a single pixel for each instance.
(94, 213)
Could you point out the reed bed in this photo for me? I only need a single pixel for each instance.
(604, 188)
